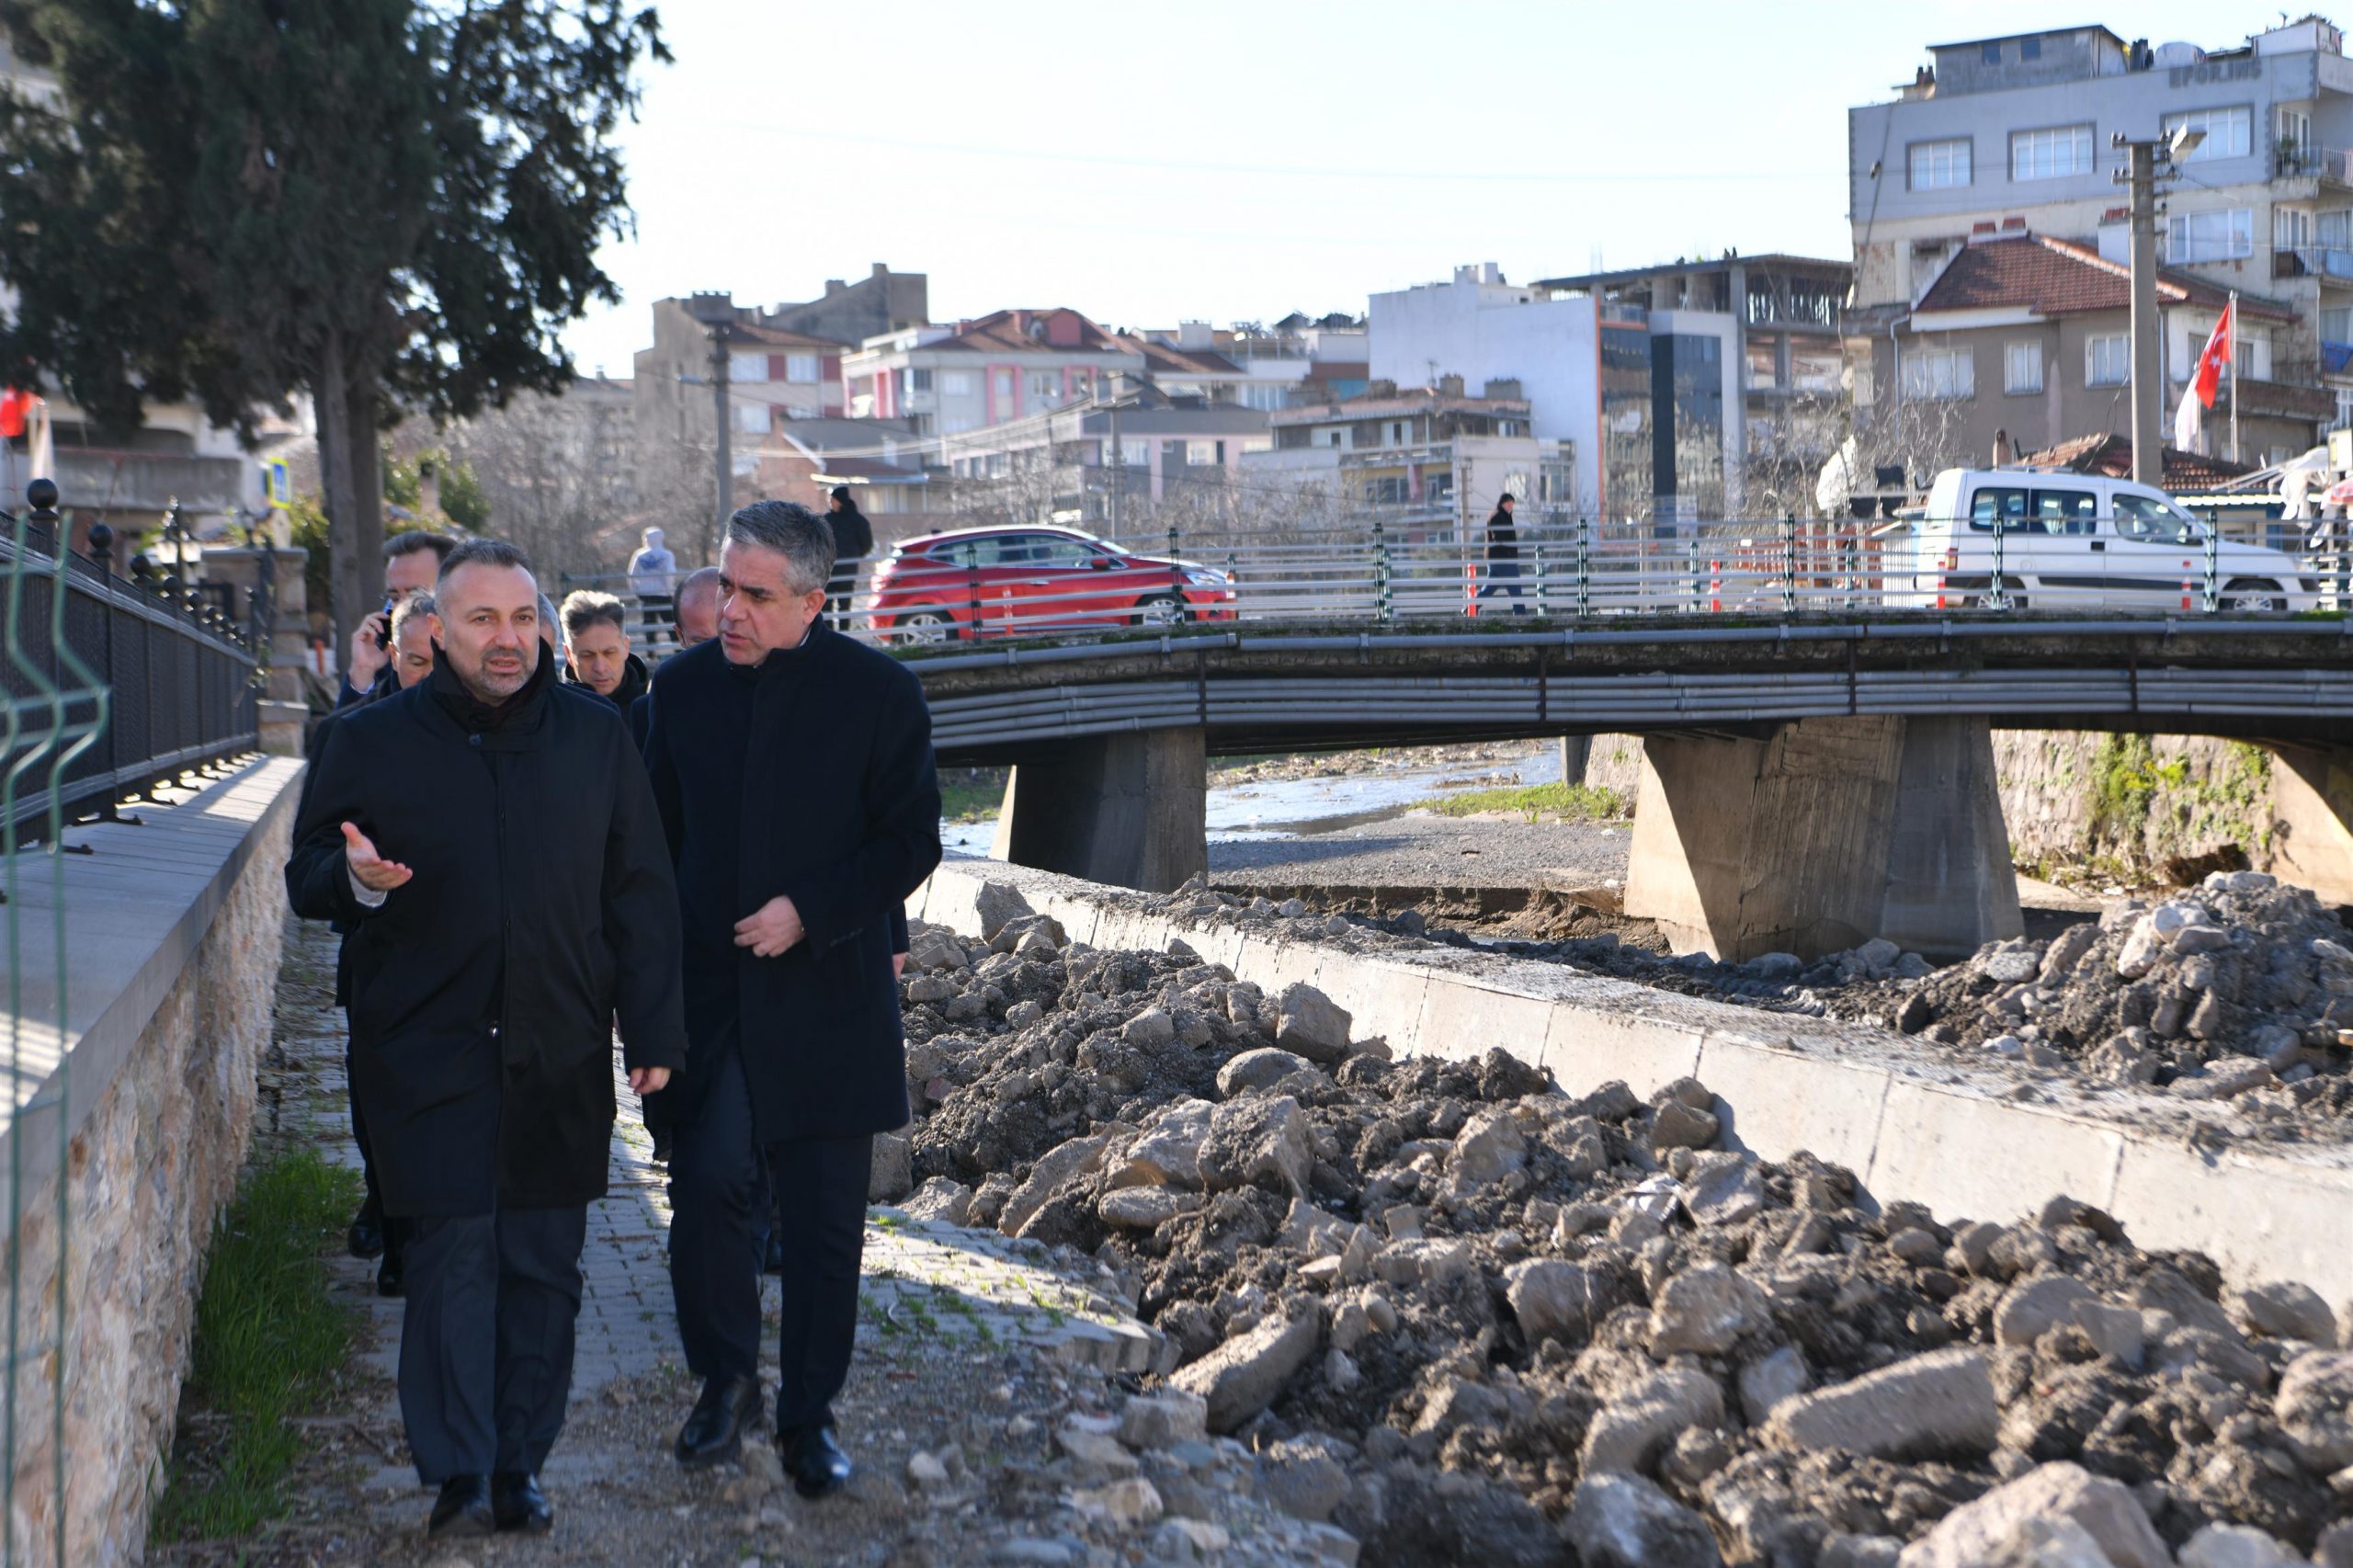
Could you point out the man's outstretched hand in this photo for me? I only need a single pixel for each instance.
(644, 1081)
(771, 929)
(375, 873)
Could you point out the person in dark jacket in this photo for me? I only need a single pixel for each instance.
(597, 656)
(793, 770)
(411, 562)
(1502, 554)
(504, 867)
(853, 543)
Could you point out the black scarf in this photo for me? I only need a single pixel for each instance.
(474, 715)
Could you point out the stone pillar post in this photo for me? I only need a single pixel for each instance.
(1127, 809)
(1827, 833)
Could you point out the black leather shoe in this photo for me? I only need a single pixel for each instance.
(815, 1462)
(662, 1142)
(389, 1281)
(517, 1503)
(462, 1509)
(714, 1430)
(366, 1237)
(773, 1262)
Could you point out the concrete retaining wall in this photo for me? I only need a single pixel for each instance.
(172, 935)
(1912, 1123)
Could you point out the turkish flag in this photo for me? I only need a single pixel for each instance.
(2217, 355)
(15, 408)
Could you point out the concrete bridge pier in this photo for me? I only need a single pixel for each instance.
(1129, 809)
(1825, 834)
(2311, 799)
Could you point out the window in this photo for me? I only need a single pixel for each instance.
(2333, 231)
(1939, 166)
(2230, 132)
(2336, 326)
(2066, 511)
(752, 418)
(2291, 229)
(1135, 454)
(803, 368)
(2149, 519)
(2022, 367)
(955, 383)
(1939, 372)
(1004, 386)
(2054, 154)
(2107, 361)
(747, 367)
(2295, 128)
(2224, 234)
(2029, 49)
(1386, 490)
(1205, 454)
(1990, 53)
(919, 378)
(1045, 387)
(2008, 504)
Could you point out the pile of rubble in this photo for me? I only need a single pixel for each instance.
(1464, 1317)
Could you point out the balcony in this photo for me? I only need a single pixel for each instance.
(2313, 261)
(2333, 165)
(101, 479)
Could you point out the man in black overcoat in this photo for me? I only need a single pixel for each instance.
(792, 766)
(502, 864)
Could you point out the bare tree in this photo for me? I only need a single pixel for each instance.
(556, 482)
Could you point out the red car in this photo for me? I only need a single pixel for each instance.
(1030, 580)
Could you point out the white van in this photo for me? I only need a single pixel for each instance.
(2080, 541)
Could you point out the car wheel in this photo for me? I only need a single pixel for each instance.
(924, 627)
(1160, 609)
(2247, 596)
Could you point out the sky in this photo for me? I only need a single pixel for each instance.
(1226, 160)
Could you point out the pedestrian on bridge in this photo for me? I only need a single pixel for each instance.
(651, 573)
(793, 770)
(501, 861)
(853, 543)
(1503, 553)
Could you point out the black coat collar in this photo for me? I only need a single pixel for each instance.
(512, 725)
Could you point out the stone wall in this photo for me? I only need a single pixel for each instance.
(2072, 797)
(153, 1160)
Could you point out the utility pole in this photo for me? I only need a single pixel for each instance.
(2143, 162)
(716, 312)
(2140, 172)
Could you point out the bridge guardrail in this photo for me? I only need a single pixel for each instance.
(1784, 566)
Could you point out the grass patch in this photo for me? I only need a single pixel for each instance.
(970, 794)
(1536, 802)
(271, 1340)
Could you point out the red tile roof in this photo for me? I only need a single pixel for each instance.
(2110, 455)
(1166, 359)
(2055, 277)
(1032, 331)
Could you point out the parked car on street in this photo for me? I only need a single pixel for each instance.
(2083, 541)
(1028, 581)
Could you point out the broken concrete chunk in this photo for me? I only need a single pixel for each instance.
(1261, 1069)
(2054, 1494)
(1936, 1405)
(996, 903)
(1704, 1308)
(1310, 1023)
(1625, 1522)
(1243, 1376)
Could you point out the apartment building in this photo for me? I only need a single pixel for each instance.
(1131, 453)
(972, 375)
(1432, 459)
(2012, 136)
(1299, 360)
(1676, 380)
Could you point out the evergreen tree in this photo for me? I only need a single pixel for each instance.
(390, 204)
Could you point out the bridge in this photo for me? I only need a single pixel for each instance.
(1817, 705)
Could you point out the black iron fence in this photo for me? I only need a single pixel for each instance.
(113, 684)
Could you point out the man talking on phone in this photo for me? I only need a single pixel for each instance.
(412, 562)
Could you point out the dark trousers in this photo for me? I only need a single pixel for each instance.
(660, 615)
(486, 1340)
(1503, 577)
(372, 1206)
(718, 1216)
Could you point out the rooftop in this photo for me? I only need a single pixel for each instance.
(2110, 455)
(1775, 261)
(2053, 277)
(1031, 332)
(1375, 405)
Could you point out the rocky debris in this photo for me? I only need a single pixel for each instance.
(1624, 1521)
(1310, 1023)
(1477, 1300)
(2101, 1512)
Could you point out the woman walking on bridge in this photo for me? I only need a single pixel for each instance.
(1502, 554)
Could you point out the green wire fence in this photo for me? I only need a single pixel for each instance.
(110, 688)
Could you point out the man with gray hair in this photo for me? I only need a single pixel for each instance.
(792, 768)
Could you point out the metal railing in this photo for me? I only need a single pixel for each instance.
(107, 689)
(1379, 575)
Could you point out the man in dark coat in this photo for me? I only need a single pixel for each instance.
(411, 562)
(597, 657)
(792, 766)
(1502, 554)
(503, 864)
(853, 543)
